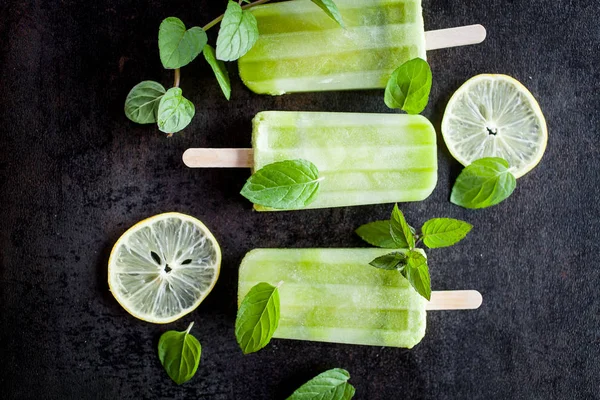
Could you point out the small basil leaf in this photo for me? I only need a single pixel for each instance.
(409, 86)
(484, 183)
(417, 273)
(400, 231)
(179, 353)
(178, 46)
(175, 112)
(257, 317)
(377, 233)
(391, 261)
(444, 232)
(142, 101)
(330, 9)
(238, 33)
(219, 69)
(329, 385)
(289, 184)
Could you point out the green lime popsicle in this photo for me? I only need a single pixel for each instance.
(362, 158)
(301, 49)
(334, 295)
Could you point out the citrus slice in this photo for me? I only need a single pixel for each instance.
(495, 116)
(163, 267)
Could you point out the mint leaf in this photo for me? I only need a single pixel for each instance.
(400, 231)
(417, 273)
(377, 233)
(142, 101)
(178, 46)
(444, 232)
(330, 9)
(391, 261)
(257, 317)
(286, 184)
(409, 86)
(219, 69)
(175, 112)
(484, 183)
(329, 385)
(179, 353)
(238, 33)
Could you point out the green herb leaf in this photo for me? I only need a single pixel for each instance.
(378, 234)
(409, 86)
(179, 353)
(238, 33)
(484, 183)
(178, 46)
(330, 9)
(417, 273)
(286, 184)
(175, 112)
(219, 69)
(257, 317)
(444, 232)
(400, 231)
(142, 101)
(391, 261)
(329, 385)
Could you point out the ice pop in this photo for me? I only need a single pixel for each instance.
(301, 49)
(362, 158)
(334, 295)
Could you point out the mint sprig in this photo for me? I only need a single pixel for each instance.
(179, 353)
(377, 233)
(400, 231)
(219, 69)
(329, 385)
(484, 183)
(416, 272)
(238, 33)
(409, 86)
(409, 260)
(257, 318)
(444, 232)
(391, 261)
(289, 184)
(175, 112)
(179, 46)
(141, 104)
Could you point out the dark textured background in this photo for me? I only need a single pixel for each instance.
(75, 174)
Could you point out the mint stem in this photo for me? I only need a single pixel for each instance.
(177, 77)
(189, 327)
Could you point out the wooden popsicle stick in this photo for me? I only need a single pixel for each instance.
(452, 37)
(455, 300)
(219, 158)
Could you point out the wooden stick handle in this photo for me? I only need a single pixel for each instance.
(452, 37)
(219, 158)
(455, 300)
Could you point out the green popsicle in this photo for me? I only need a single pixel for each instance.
(301, 49)
(362, 158)
(334, 295)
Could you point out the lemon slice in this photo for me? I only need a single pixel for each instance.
(163, 267)
(495, 116)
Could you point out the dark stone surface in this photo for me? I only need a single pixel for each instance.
(75, 173)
